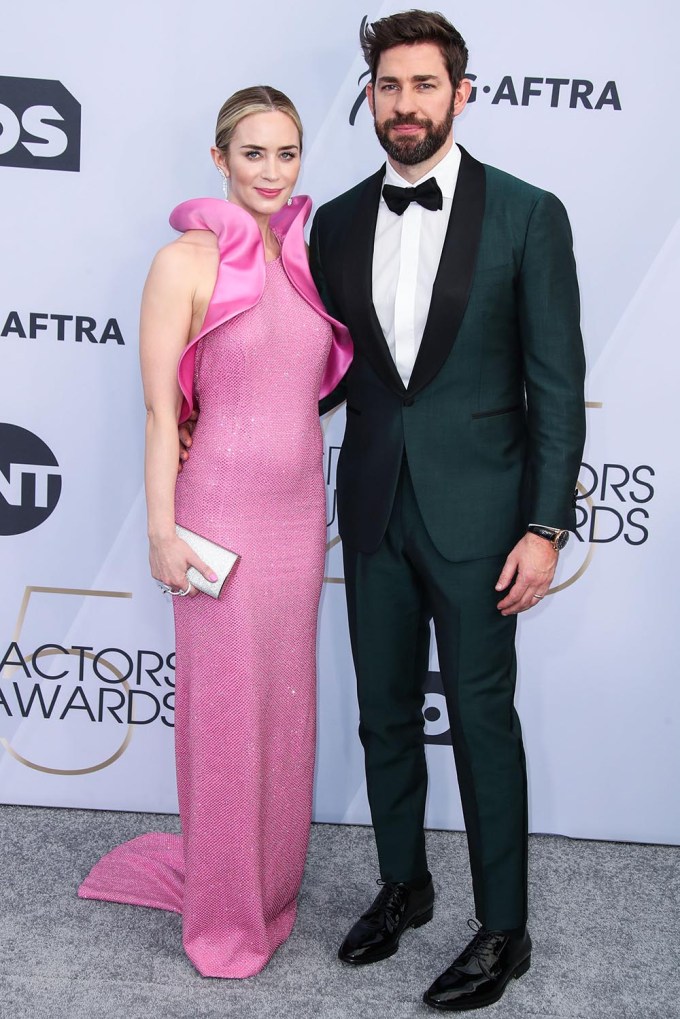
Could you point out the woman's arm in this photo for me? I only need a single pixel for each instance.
(166, 317)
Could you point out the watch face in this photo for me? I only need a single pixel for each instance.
(561, 540)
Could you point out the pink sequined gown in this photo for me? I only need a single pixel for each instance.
(245, 666)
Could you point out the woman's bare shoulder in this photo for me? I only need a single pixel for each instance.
(190, 251)
(196, 240)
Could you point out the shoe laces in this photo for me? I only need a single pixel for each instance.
(389, 901)
(485, 946)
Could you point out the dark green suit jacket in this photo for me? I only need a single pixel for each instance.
(492, 420)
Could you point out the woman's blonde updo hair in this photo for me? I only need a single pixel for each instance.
(257, 99)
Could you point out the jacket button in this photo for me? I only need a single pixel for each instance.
(409, 401)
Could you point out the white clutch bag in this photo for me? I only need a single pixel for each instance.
(220, 560)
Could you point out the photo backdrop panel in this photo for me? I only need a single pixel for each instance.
(100, 136)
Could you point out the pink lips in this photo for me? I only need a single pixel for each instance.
(269, 192)
(407, 128)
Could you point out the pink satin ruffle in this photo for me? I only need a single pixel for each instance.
(241, 276)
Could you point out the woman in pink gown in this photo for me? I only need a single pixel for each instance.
(232, 325)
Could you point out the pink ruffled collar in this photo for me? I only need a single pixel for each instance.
(241, 276)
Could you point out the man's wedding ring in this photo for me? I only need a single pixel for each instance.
(168, 590)
(539, 597)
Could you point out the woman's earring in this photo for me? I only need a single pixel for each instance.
(290, 201)
(225, 185)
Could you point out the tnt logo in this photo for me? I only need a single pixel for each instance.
(30, 480)
(39, 125)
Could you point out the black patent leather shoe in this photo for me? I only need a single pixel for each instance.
(376, 933)
(479, 975)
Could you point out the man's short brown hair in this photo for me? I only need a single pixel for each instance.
(410, 27)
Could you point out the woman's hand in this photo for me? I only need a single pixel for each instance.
(170, 558)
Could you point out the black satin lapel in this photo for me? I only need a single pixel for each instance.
(358, 285)
(453, 281)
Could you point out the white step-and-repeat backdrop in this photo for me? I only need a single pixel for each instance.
(106, 118)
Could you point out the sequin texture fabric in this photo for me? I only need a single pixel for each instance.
(245, 665)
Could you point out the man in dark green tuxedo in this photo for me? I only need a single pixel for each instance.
(455, 483)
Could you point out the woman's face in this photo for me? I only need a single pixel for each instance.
(263, 162)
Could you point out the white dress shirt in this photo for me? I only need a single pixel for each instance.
(406, 257)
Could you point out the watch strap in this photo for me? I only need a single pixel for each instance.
(556, 536)
(543, 531)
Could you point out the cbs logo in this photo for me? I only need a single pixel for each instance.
(39, 125)
(435, 712)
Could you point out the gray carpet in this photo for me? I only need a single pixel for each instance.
(605, 921)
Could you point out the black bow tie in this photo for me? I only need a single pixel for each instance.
(428, 194)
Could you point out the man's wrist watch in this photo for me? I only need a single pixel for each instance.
(557, 538)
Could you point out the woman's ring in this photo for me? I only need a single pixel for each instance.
(168, 590)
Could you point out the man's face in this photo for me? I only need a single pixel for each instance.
(413, 102)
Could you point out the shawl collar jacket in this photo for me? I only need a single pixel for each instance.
(492, 422)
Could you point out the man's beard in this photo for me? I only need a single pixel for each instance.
(408, 151)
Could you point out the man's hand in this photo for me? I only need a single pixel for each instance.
(532, 565)
(186, 430)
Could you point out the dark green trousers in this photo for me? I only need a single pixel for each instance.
(392, 594)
